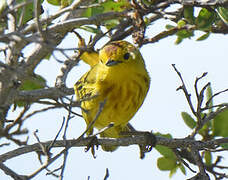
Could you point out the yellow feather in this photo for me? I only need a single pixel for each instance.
(90, 58)
(121, 80)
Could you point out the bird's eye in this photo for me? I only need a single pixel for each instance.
(126, 56)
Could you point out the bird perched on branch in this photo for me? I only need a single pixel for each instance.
(118, 78)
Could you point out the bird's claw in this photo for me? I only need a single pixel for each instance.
(93, 145)
(150, 142)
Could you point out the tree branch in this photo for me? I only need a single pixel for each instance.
(11, 173)
(201, 3)
(50, 93)
(127, 141)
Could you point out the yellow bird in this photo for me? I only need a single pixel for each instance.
(119, 78)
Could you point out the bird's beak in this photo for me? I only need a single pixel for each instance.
(111, 62)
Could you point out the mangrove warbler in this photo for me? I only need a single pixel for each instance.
(118, 78)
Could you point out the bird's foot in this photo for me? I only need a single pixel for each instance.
(93, 145)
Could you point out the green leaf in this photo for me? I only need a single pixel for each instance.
(26, 13)
(182, 168)
(31, 83)
(184, 34)
(111, 23)
(2, 26)
(189, 121)
(181, 23)
(47, 56)
(166, 152)
(166, 164)
(209, 94)
(224, 146)
(149, 2)
(168, 26)
(62, 3)
(178, 40)
(223, 14)
(90, 29)
(221, 124)
(164, 135)
(205, 130)
(3, 5)
(118, 6)
(205, 19)
(65, 3)
(203, 37)
(189, 14)
(54, 2)
(208, 158)
(173, 171)
(93, 11)
(107, 6)
(34, 82)
(20, 104)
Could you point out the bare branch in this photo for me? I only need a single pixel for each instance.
(167, 33)
(199, 163)
(126, 141)
(101, 106)
(213, 96)
(181, 160)
(66, 145)
(50, 93)
(11, 173)
(37, 6)
(106, 174)
(68, 65)
(202, 3)
(183, 87)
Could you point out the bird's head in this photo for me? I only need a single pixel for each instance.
(120, 54)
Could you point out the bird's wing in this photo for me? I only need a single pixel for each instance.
(85, 87)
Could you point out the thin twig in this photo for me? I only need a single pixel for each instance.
(53, 172)
(19, 119)
(198, 161)
(57, 135)
(106, 174)
(200, 95)
(45, 165)
(38, 111)
(37, 19)
(182, 161)
(102, 130)
(213, 96)
(219, 106)
(4, 144)
(65, 106)
(196, 83)
(11, 173)
(167, 33)
(183, 87)
(65, 155)
(213, 114)
(90, 125)
(43, 148)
